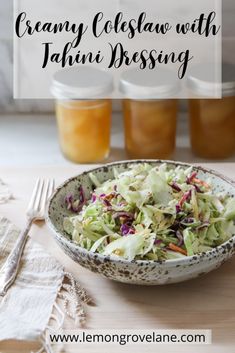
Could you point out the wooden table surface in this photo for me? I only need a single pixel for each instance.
(205, 303)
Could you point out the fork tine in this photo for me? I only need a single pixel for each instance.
(34, 194)
(52, 187)
(42, 191)
(44, 196)
(39, 195)
(49, 190)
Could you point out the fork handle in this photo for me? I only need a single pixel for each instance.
(11, 266)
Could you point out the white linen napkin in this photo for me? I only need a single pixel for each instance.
(30, 303)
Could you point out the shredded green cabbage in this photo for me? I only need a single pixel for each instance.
(152, 213)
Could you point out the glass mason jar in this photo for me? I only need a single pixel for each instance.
(84, 123)
(149, 123)
(212, 121)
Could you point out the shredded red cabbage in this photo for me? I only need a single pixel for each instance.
(69, 201)
(197, 189)
(127, 229)
(107, 203)
(175, 186)
(93, 198)
(178, 208)
(187, 196)
(180, 238)
(191, 177)
(187, 220)
(158, 241)
(75, 205)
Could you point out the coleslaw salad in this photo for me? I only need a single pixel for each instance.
(151, 213)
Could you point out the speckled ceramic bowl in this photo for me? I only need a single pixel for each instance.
(136, 272)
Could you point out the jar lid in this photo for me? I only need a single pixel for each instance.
(148, 84)
(205, 81)
(82, 83)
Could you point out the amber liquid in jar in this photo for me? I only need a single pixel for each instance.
(84, 129)
(150, 128)
(212, 127)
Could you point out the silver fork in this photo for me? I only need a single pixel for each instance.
(35, 211)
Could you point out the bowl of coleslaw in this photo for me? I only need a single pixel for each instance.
(147, 222)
